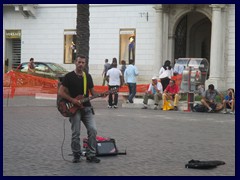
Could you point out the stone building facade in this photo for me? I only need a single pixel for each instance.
(157, 31)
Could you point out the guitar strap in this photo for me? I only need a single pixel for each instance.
(84, 84)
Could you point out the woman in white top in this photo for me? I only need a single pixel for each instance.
(165, 74)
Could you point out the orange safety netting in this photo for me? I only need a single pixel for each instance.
(22, 84)
(140, 88)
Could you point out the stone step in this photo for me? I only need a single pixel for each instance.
(138, 104)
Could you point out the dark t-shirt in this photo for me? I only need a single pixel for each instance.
(74, 84)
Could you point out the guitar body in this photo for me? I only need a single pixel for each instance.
(66, 108)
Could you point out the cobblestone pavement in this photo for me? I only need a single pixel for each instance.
(158, 143)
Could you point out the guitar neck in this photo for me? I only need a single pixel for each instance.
(96, 96)
(86, 99)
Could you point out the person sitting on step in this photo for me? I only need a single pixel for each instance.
(154, 92)
(229, 101)
(209, 99)
(171, 93)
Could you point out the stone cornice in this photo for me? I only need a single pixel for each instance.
(218, 6)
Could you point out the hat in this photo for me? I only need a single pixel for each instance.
(154, 77)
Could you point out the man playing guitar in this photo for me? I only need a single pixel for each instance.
(77, 83)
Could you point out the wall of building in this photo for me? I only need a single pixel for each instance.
(105, 23)
(43, 36)
(230, 48)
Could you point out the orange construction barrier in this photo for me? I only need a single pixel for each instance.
(23, 84)
(140, 88)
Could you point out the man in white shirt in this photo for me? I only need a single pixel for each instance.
(154, 91)
(115, 80)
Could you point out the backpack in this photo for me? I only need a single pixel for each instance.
(213, 106)
(199, 108)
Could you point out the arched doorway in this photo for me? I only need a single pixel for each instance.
(193, 36)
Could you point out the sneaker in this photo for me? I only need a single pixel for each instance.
(231, 112)
(224, 111)
(210, 110)
(155, 108)
(144, 107)
(109, 106)
(93, 159)
(127, 101)
(115, 106)
(175, 108)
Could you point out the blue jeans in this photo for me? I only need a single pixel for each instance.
(132, 91)
(84, 115)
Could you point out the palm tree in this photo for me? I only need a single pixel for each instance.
(83, 32)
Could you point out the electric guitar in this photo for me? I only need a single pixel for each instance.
(68, 109)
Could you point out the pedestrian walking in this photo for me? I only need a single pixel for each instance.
(105, 69)
(130, 79)
(115, 80)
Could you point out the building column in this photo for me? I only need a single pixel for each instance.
(216, 56)
(165, 35)
(171, 45)
(158, 59)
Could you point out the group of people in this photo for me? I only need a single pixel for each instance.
(78, 82)
(209, 100)
(157, 92)
(163, 87)
(118, 77)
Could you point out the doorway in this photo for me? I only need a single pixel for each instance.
(193, 36)
(12, 49)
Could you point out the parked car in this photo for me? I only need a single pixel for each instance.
(44, 69)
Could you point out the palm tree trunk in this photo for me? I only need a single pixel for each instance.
(83, 32)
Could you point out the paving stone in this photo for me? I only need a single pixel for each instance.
(158, 143)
